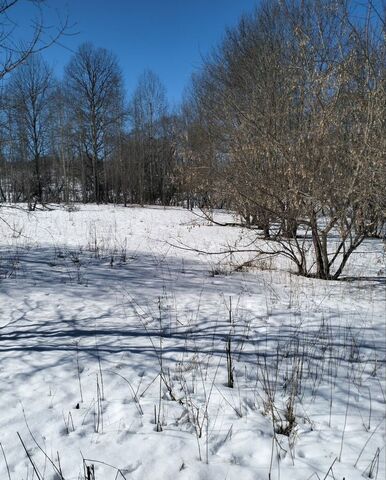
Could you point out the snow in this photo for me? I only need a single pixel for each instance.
(96, 301)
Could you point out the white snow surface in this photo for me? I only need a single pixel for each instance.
(108, 327)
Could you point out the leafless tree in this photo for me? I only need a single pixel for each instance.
(152, 137)
(63, 148)
(27, 102)
(293, 101)
(17, 45)
(198, 175)
(15, 49)
(93, 82)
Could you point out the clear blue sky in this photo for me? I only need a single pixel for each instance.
(167, 36)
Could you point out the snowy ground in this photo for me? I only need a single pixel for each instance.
(109, 333)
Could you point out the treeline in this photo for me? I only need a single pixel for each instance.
(78, 140)
(285, 123)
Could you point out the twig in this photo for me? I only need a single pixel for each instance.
(5, 459)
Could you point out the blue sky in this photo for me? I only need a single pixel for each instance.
(167, 36)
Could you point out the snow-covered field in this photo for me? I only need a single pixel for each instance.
(115, 345)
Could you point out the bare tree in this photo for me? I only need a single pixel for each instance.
(151, 133)
(28, 97)
(63, 148)
(293, 101)
(13, 50)
(197, 165)
(17, 45)
(94, 87)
